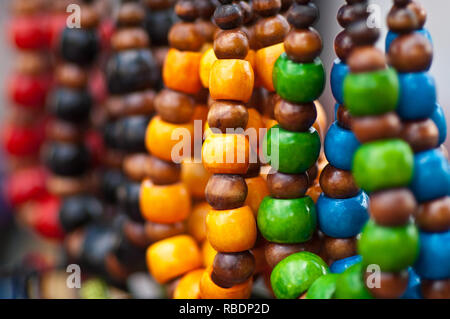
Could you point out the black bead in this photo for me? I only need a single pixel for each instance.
(157, 24)
(130, 133)
(129, 255)
(99, 242)
(128, 194)
(228, 16)
(80, 46)
(303, 16)
(70, 105)
(131, 70)
(66, 159)
(110, 181)
(77, 211)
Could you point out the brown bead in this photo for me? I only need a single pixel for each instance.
(130, 14)
(343, 45)
(207, 29)
(420, 135)
(185, 36)
(247, 12)
(228, 16)
(226, 191)
(303, 45)
(31, 63)
(186, 10)
(295, 117)
(272, 30)
(420, 13)
(411, 53)
(392, 207)
(66, 186)
(174, 107)
(156, 231)
(348, 14)
(266, 8)
(225, 115)
(391, 285)
(286, 4)
(366, 59)
(134, 166)
(162, 172)
(370, 128)
(135, 103)
(339, 248)
(71, 75)
(254, 169)
(402, 20)
(275, 252)
(115, 269)
(312, 173)
(435, 289)
(89, 18)
(113, 158)
(434, 216)
(205, 8)
(401, 3)
(73, 243)
(337, 183)
(303, 16)
(130, 38)
(25, 7)
(287, 186)
(135, 233)
(361, 34)
(62, 131)
(344, 119)
(159, 4)
(231, 44)
(231, 269)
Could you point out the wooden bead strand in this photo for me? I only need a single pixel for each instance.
(418, 111)
(287, 218)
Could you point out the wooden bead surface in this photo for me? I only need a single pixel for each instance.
(392, 285)
(295, 117)
(434, 216)
(410, 53)
(162, 172)
(226, 191)
(420, 135)
(339, 248)
(370, 128)
(287, 186)
(231, 44)
(303, 45)
(225, 115)
(174, 107)
(230, 269)
(337, 183)
(184, 36)
(366, 59)
(392, 207)
(271, 30)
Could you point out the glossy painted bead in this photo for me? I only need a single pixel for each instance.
(265, 62)
(287, 221)
(350, 284)
(339, 266)
(371, 93)
(392, 248)
(383, 164)
(291, 152)
(434, 257)
(340, 146)
(338, 74)
(431, 175)
(342, 218)
(438, 117)
(173, 257)
(180, 71)
(417, 95)
(292, 276)
(231, 230)
(288, 76)
(323, 287)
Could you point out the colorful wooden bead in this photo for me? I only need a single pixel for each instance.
(438, 118)
(383, 164)
(340, 146)
(350, 284)
(392, 248)
(434, 257)
(265, 61)
(295, 274)
(323, 287)
(189, 285)
(339, 266)
(338, 73)
(209, 290)
(180, 71)
(287, 221)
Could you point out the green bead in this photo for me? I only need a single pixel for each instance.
(291, 152)
(383, 164)
(323, 288)
(371, 93)
(350, 284)
(298, 82)
(287, 221)
(292, 276)
(392, 248)
(94, 289)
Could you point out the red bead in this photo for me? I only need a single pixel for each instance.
(29, 90)
(25, 185)
(28, 33)
(23, 140)
(46, 220)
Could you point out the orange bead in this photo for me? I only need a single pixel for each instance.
(231, 79)
(231, 230)
(164, 204)
(195, 177)
(196, 223)
(208, 253)
(189, 285)
(209, 290)
(257, 190)
(265, 60)
(226, 153)
(268, 122)
(314, 191)
(321, 121)
(169, 141)
(181, 71)
(255, 123)
(172, 257)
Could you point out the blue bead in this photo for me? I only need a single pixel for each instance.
(336, 106)
(434, 258)
(391, 36)
(342, 218)
(413, 289)
(340, 145)
(338, 73)
(438, 118)
(417, 95)
(339, 266)
(431, 175)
